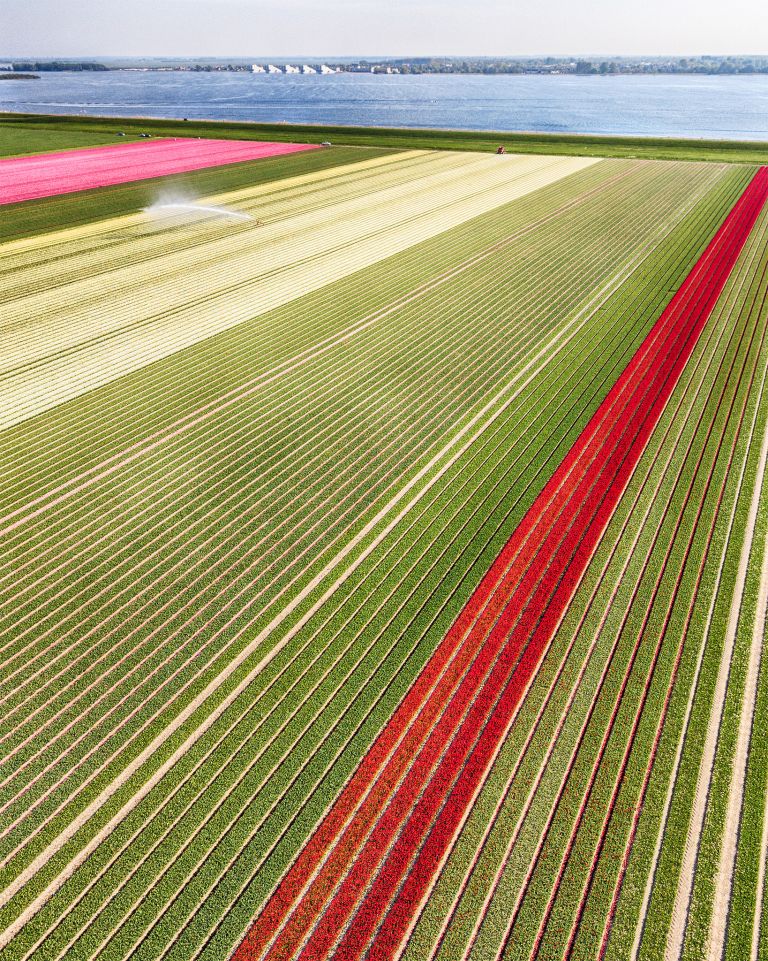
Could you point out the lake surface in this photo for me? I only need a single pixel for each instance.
(685, 106)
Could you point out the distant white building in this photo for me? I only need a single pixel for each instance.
(290, 69)
(6, 67)
(271, 68)
(324, 69)
(307, 69)
(257, 68)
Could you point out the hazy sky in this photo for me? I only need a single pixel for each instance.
(275, 28)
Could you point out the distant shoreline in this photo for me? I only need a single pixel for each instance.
(581, 66)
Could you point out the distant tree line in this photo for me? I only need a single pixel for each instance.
(583, 66)
(563, 65)
(56, 65)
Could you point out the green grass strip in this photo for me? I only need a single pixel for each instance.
(582, 145)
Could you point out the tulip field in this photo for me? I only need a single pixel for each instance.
(384, 557)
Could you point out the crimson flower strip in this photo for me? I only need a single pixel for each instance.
(358, 884)
(68, 171)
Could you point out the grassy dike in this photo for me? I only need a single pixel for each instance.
(18, 126)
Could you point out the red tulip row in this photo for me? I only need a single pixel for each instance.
(68, 171)
(361, 879)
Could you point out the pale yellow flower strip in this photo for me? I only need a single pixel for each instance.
(65, 339)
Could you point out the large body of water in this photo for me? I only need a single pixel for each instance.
(728, 107)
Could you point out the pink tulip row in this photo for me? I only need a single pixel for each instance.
(69, 171)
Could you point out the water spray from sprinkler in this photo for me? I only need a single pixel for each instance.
(168, 205)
